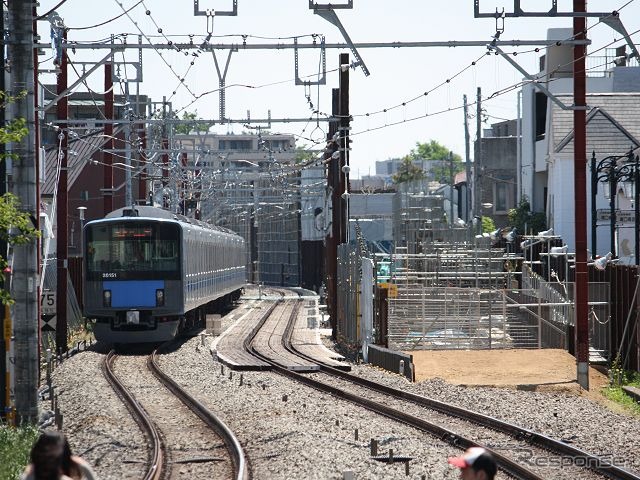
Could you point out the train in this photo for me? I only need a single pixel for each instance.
(150, 273)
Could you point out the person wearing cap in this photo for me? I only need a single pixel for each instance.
(475, 464)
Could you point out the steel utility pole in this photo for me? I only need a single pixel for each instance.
(332, 239)
(580, 186)
(451, 181)
(62, 111)
(467, 159)
(107, 159)
(477, 189)
(25, 257)
(344, 147)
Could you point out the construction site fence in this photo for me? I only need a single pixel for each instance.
(560, 296)
(349, 272)
(425, 318)
(392, 360)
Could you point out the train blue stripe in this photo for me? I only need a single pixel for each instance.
(133, 293)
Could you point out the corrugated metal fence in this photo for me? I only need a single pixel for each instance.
(392, 360)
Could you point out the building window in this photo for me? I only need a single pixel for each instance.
(502, 197)
(541, 115)
(236, 145)
(277, 144)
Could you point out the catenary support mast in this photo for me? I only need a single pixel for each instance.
(580, 186)
(62, 110)
(25, 258)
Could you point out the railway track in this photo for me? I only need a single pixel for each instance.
(177, 426)
(429, 415)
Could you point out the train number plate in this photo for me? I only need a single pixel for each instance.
(133, 316)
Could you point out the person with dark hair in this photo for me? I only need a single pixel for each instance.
(51, 459)
(475, 464)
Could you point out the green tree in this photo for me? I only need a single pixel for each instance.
(408, 172)
(303, 155)
(188, 125)
(435, 151)
(526, 221)
(16, 226)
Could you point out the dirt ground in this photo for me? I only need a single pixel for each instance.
(541, 370)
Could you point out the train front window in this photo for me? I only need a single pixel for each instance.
(132, 250)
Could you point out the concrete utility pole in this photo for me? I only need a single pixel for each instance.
(6, 338)
(467, 159)
(580, 186)
(25, 257)
(62, 207)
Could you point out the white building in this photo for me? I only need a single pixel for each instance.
(613, 127)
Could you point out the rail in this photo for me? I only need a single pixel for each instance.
(230, 440)
(157, 464)
(593, 462)
(588, 460)
(509, 466)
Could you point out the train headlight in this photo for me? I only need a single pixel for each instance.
(106, 298)
(160, 297)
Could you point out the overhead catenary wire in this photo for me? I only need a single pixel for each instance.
(89, 27)
(320, 113)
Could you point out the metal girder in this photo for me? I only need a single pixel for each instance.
(327, 12)
(518, 12)
(534, 80)
(152, 121)
(315, 5)
(323, 58)
(334, 46)
(77, 82)
(210, 12)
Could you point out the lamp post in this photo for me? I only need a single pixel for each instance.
(81, 211)
(607, 170)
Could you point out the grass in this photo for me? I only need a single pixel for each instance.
(615, 393)
(15, 445)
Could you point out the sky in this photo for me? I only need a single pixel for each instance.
(260, 81)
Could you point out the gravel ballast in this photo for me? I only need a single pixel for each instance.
(292, 431)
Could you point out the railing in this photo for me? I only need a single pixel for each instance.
(561, 313)
(426, 318)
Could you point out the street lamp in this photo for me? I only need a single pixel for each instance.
(607, 170)
(81, 211)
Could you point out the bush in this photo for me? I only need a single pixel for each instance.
(15, 446)
(525, 221)
(488, 225)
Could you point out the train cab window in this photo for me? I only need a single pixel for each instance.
(132, 250)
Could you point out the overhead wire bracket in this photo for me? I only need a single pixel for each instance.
(209, 12)
(323, 58)
(222, 81)
(613, 20)
(136, 65)
(518, 12)
(535, 81)
(327, 12)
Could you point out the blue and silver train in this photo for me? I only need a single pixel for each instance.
(149, 273)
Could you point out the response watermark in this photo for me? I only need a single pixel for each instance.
(530, 457)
